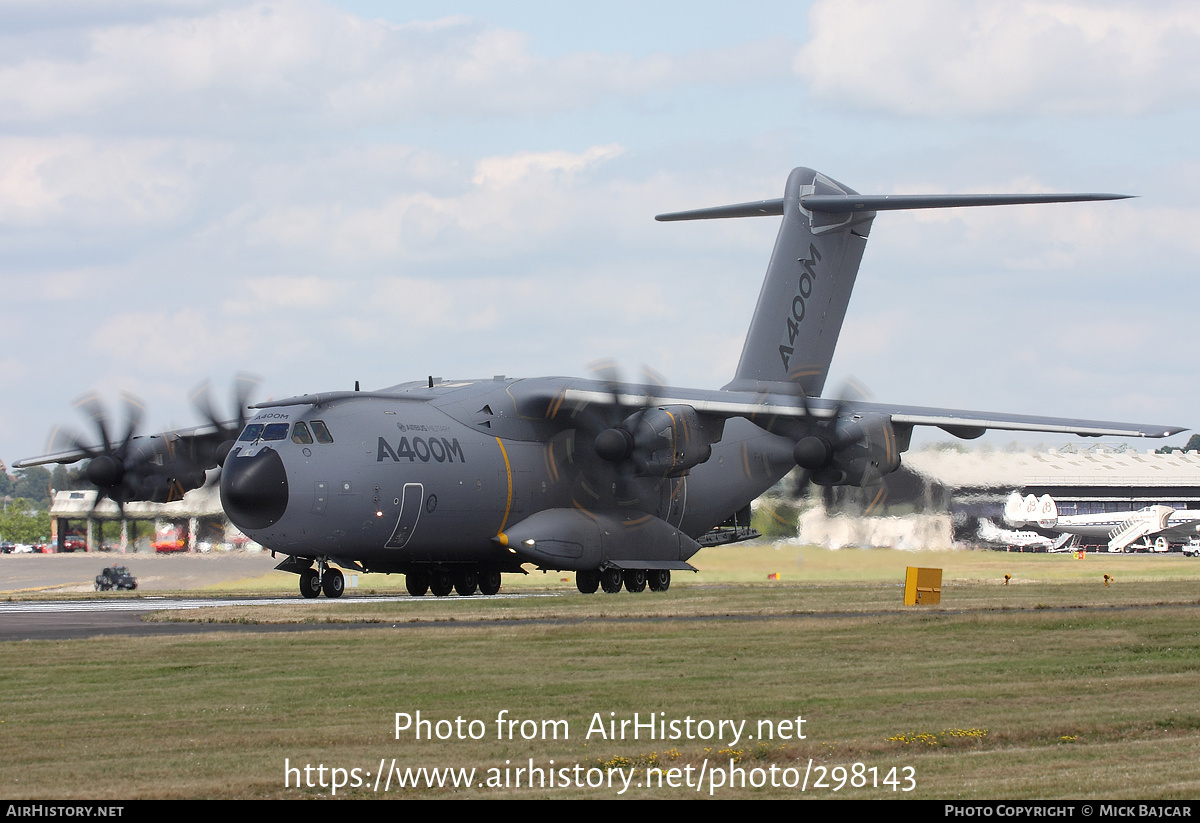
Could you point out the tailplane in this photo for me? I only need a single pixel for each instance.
(813, 268)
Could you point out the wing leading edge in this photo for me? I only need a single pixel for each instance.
(959, 422)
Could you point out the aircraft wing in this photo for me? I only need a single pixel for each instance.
(184, 437)
(1182, 526)
(960, 423)
(157, 468)
(972, 424)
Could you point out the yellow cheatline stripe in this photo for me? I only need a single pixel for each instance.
(584, 510)
(508, 502)
(674, 445)
(550, 461)
(775, 515)
(879, 497)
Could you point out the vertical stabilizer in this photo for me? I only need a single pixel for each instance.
(807, 288)
(806, 291)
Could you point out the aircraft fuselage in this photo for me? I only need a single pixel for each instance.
(433, 475)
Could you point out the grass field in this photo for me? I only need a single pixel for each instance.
(1054, 686)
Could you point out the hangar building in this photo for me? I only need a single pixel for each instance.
(956, 488)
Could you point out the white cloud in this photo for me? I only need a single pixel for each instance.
(285, 293)
(509, 202)
(97, 181)
(994, 57)
(246, 66)
(171, 339)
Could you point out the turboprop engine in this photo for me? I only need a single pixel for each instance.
(664, 441)
(858, 452)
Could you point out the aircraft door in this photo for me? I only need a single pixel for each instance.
(410, 511)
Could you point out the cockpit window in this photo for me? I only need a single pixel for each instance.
(275, 431)
(251, 433)
(301, 435)
(321, 432)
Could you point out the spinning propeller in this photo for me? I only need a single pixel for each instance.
(627, 446)
(110, 461)
(840, 447)
(611, 442)
(212, 451)
(157, 468)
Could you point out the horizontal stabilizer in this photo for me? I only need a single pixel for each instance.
(759, 208)
(847, 203)
(843, 203)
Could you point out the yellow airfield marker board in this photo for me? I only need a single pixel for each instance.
(922, 587)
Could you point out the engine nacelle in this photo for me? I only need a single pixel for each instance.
(850, 454)
(665, 441)
(151, 469)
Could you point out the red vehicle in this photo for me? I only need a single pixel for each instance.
(169, 539)
(74, 542)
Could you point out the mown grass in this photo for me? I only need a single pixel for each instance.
(735, 580)
(1053, 686)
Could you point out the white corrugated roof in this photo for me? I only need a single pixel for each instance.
(202, 502)
(1093, 467)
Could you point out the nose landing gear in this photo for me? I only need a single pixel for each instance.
(333, 583)
(310, 583)
(324, 578)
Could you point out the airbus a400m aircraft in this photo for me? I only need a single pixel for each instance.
(456, 482)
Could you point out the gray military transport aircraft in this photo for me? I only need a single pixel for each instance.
(456, 482)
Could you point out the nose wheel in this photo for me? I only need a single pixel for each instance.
(310, 583)
(333, 584)
(325, 579)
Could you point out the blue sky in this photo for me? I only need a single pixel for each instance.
(327, 192)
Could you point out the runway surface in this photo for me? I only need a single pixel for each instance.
(66, 619)
(76, 572)
(119, 614)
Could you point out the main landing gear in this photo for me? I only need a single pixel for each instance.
(443, 581)
(324, 578)
(612, 579)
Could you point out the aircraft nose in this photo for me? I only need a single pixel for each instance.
(254, 490)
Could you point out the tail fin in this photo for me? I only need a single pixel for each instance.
(812, 271)
(806, 290)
